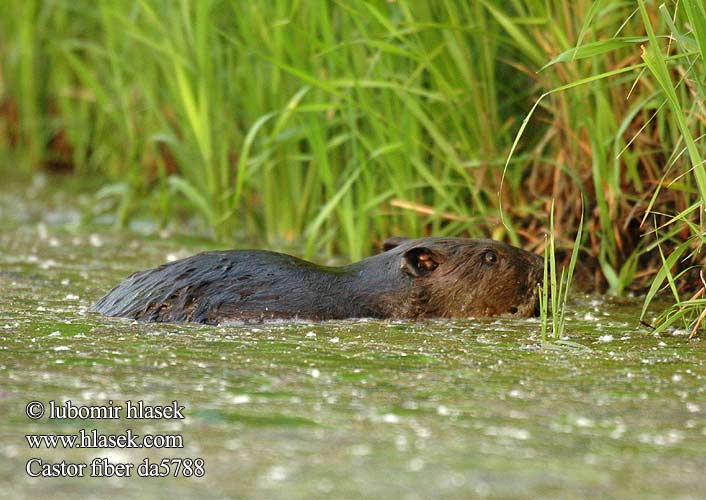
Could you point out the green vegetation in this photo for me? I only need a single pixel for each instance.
(331, 125)
(554, 293)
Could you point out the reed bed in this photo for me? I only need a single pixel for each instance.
(329, 126)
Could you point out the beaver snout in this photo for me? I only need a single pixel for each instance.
(536, 281)
(529, 270)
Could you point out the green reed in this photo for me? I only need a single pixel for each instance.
(328, 126)
(683, 99)
(554, 291)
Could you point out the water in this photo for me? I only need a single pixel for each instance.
(353, 409)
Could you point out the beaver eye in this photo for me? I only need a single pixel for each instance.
(491, 257)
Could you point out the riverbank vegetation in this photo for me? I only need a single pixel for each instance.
(332, 125)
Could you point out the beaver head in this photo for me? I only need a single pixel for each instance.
(462, 277)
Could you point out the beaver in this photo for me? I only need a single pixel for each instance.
(412, 279)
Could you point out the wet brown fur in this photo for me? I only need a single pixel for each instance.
(413, 279)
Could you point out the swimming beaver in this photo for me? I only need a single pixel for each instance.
(413, 278)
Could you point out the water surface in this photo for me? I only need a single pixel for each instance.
(352, 409)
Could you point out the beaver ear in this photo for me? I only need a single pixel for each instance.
(392, 242)
(421, 261)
